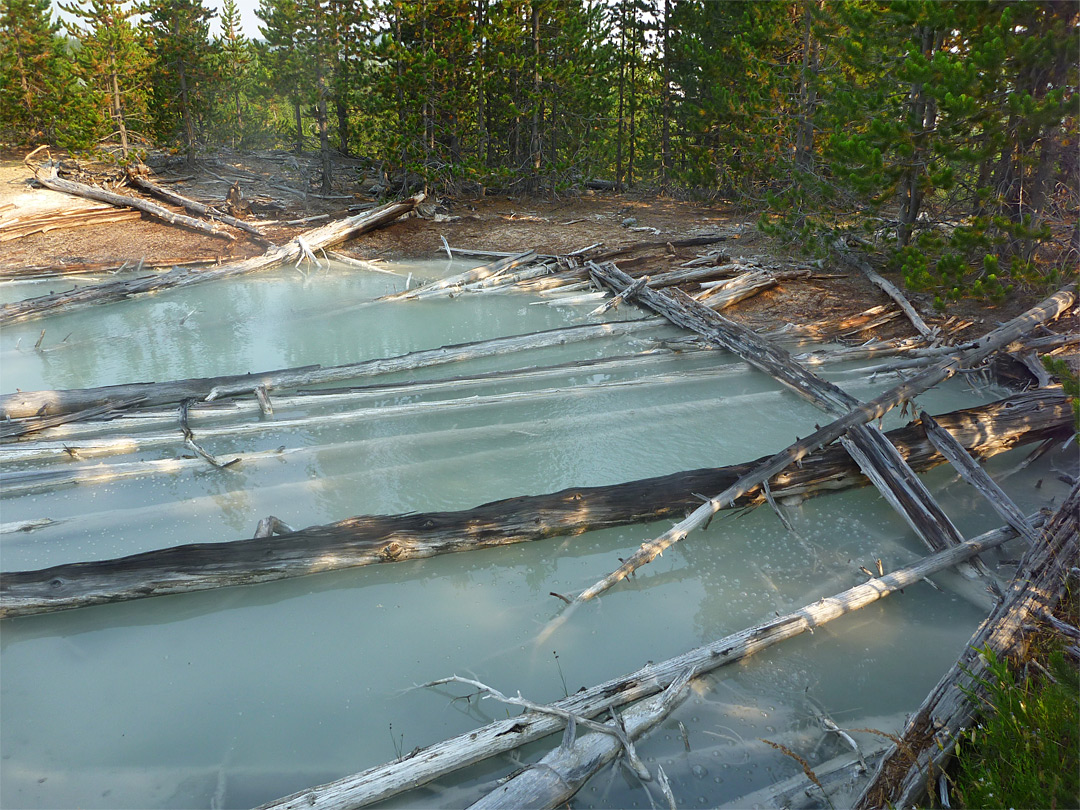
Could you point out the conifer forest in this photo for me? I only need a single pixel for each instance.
(949, 127)
(361, 360)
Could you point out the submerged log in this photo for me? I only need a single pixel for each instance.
(23, 404)
(293, 251)
(447, 285)
(368, 540)
(994, 340)
(425, 764)
(49, 178)
(915, 761)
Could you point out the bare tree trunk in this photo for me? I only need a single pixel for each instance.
(185, 111)
(923, 116)
(534, 138)
(622, 89)
(633, 103)
(118, 108)
(804, 135)
(299, 147)
(665, 105)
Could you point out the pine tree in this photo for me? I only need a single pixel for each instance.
(234, 59)
(180, 48)
(285, 69)
(111, 60)
(28, 57)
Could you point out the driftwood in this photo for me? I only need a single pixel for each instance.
(20, 226)
(194, 206)
(293, 251)
(32, 403)
(891, 290)
(48, 177)
(9, 430)
(446, 285)
(875, 409)
(423, 765)
(975, 475)
(368, 540)
(28, 272)
(931, 734)
(555, 779)
(878, 459)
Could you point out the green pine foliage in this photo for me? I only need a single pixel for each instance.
(944, 132)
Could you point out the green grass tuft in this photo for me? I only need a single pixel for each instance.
(1024, 751)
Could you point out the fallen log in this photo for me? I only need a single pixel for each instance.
(445, 285)
(293, 251)
(878, 459)
(423, 765)
(975, 475)
(195, 206)
(33, 403)
(31, 272)
(48, 177)
(18, 227)
(891, 290)
(1048, 309)
(367, 540)
(915, 761)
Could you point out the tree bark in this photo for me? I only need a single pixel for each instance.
(367, 540)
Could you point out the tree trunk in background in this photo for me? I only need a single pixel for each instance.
(665, 105)
(804, 136)
(534, 133)
(118, 108)
(299, 147)
(185, 111)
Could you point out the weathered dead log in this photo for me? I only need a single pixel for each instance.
(194, 206)
(33, 403)
(18, 227)
(94, 268)
(49, 178)
(469, 276)
(975, 475)
(931, 734)
(423, 765)
(556, 778)
(875, 409)
(368, 540)
(9, 430)
(293, 251)
(891, 290)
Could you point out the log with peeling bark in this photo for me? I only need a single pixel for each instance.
(426, 764)
(48, 177)
(915, 762)
(368, 540)
(23, 404)
(981, 349)
(194, 206)
(293, 251)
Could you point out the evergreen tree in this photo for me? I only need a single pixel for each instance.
(28, 59)
(234, 57)
(180, 48)
(111, 60)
